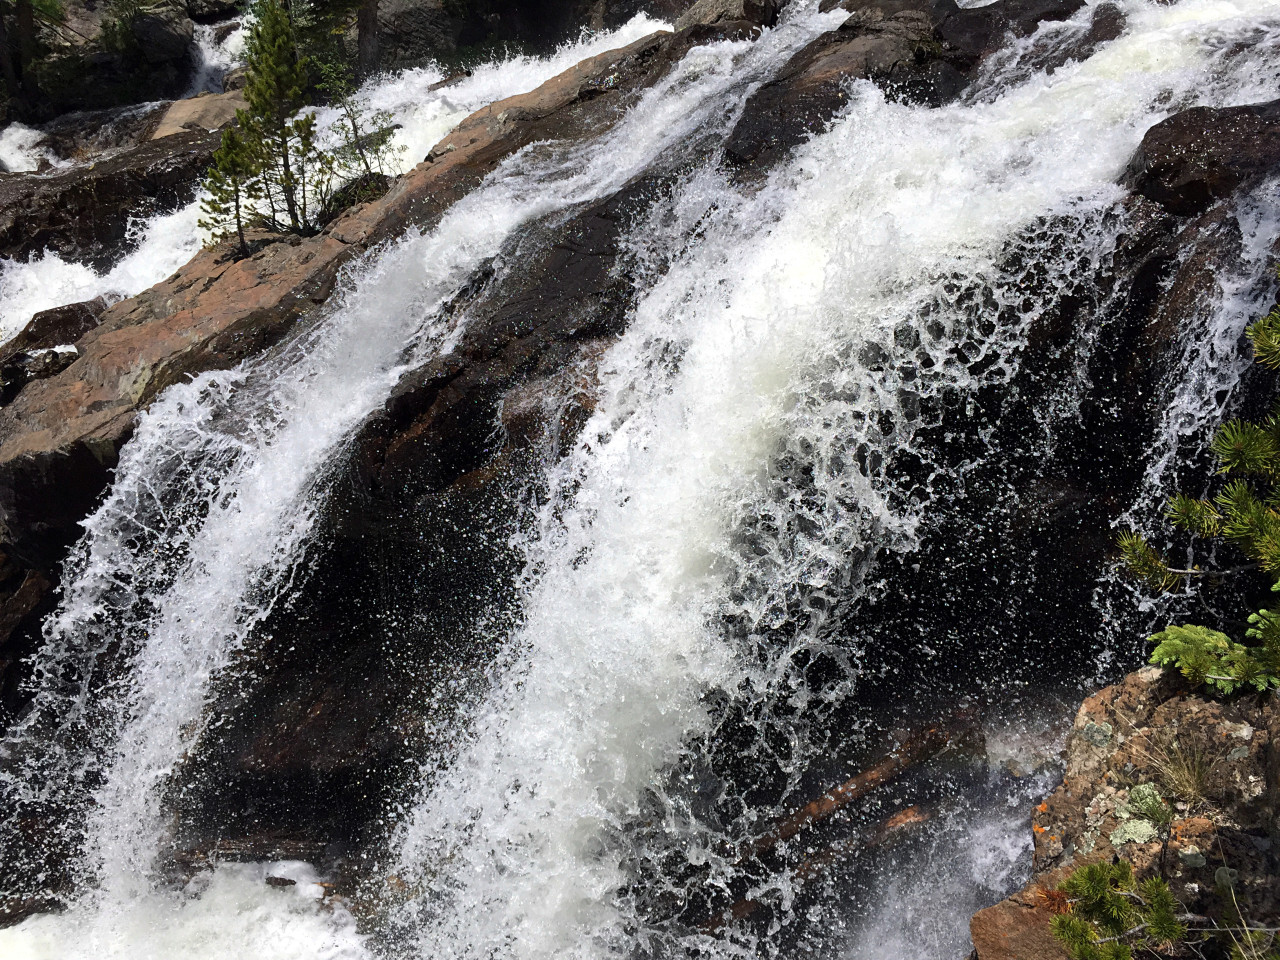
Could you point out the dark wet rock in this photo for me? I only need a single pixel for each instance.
(411, 32)
(26, 596)
(212, 11)
(84, 213)
(86, 135)
(55, 328)
(31, 354)
(21, 368)
(762, 13)
(164, 33)
(920, 50)
(1201, 155)
(1145, 734)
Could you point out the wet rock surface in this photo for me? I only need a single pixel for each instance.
(1203, 155)
(84, 213)
(921, 50)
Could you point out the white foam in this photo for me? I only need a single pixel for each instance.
(47, 280)
(20, 150)
(227, 913)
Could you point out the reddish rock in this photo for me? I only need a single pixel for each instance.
(1151, 730)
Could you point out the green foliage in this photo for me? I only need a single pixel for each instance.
(1212, 658)
(1245, 514)
(117, 28)
(236, 165)
(1111, 914)
(270, 171)
(1265, 334)
(366, 147)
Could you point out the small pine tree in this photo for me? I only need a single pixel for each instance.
(229, 185)
(277, 79)
(1244, 514)
(270, 170)
(1111, 914)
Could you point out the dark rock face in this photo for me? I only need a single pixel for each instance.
(1142, 731)
(164, 33)
(411, 32)
(211, 11)
(921, 50)
(1202, 155)
(88, 134)
(763, 13)
(83, 214)
(56, 327)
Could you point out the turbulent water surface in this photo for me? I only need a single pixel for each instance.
(766, 439)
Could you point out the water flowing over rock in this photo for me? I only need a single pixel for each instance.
(675, 518)
(84, 212)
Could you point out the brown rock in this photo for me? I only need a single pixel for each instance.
(209, 112)
(761, 13)
(1212, 761)
(1017, 928)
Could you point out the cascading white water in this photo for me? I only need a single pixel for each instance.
(20, 149)
(167, 241)
(675, 515)
(178, 584)
(218, 48)
(521, 848)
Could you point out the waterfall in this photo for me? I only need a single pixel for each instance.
(802, 363)
(218, 47)
(424, 109)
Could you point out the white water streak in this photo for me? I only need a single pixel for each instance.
(520, 850)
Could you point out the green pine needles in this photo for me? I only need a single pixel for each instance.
(1105, 913)
(1245, 514)
(270, 171)
(1111, 915)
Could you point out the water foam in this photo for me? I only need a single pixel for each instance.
(679, 512)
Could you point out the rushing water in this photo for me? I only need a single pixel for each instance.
(722, 515)
(424, 110)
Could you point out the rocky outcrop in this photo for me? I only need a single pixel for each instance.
(1216, 763)
(922, 50)
(209, 112)
(83, 213)
(163, 33)
(1202, 155)
(760, 12)
(100, 62)
(411, 32)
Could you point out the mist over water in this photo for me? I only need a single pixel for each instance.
(686, 666)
